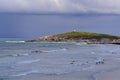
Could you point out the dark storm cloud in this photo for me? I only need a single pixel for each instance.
(34, 26)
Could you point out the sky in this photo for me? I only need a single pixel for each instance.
(36, 18)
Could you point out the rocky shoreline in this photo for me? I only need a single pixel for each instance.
(103, 40)
(89, 41)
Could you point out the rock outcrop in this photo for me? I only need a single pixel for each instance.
(90, 38)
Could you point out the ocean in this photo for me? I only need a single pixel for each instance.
(18, 59)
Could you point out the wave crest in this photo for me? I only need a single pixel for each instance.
(15, 41)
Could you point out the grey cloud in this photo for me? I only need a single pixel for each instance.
(60, 6)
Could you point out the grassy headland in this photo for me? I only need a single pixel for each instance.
(76, 36)
(84, 35)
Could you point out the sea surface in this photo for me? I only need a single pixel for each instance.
(20, 58)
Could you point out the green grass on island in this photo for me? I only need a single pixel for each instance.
(84, 35)
(76, 36)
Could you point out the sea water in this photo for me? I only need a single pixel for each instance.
(20, 58)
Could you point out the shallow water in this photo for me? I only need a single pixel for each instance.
(19, 59)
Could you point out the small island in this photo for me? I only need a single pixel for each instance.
(77, 36)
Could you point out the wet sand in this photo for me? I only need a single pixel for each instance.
(110, 70)
(83, 75)
(87, 66)
(110, 75)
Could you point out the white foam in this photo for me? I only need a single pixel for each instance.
(24, 73)
(15, 41)
(57, 50)
(16, 55)
(92, 52)
(29, 61)
(81, 43)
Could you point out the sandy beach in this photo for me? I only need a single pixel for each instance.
(110, 70)
(110, 75)
(83, 75)
(101, 72)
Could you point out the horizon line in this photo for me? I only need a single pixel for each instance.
(61, 14)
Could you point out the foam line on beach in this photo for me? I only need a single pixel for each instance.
(49, 51)
(21, 54)
(29, 61)
(24, 73)
(56, 50)
(14, 55)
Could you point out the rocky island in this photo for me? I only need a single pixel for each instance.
(76, 36)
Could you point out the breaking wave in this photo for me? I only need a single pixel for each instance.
(81, 43)
(49, 51)
(29, 61)
(64, 49)
(15, 41)
(24, 73)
